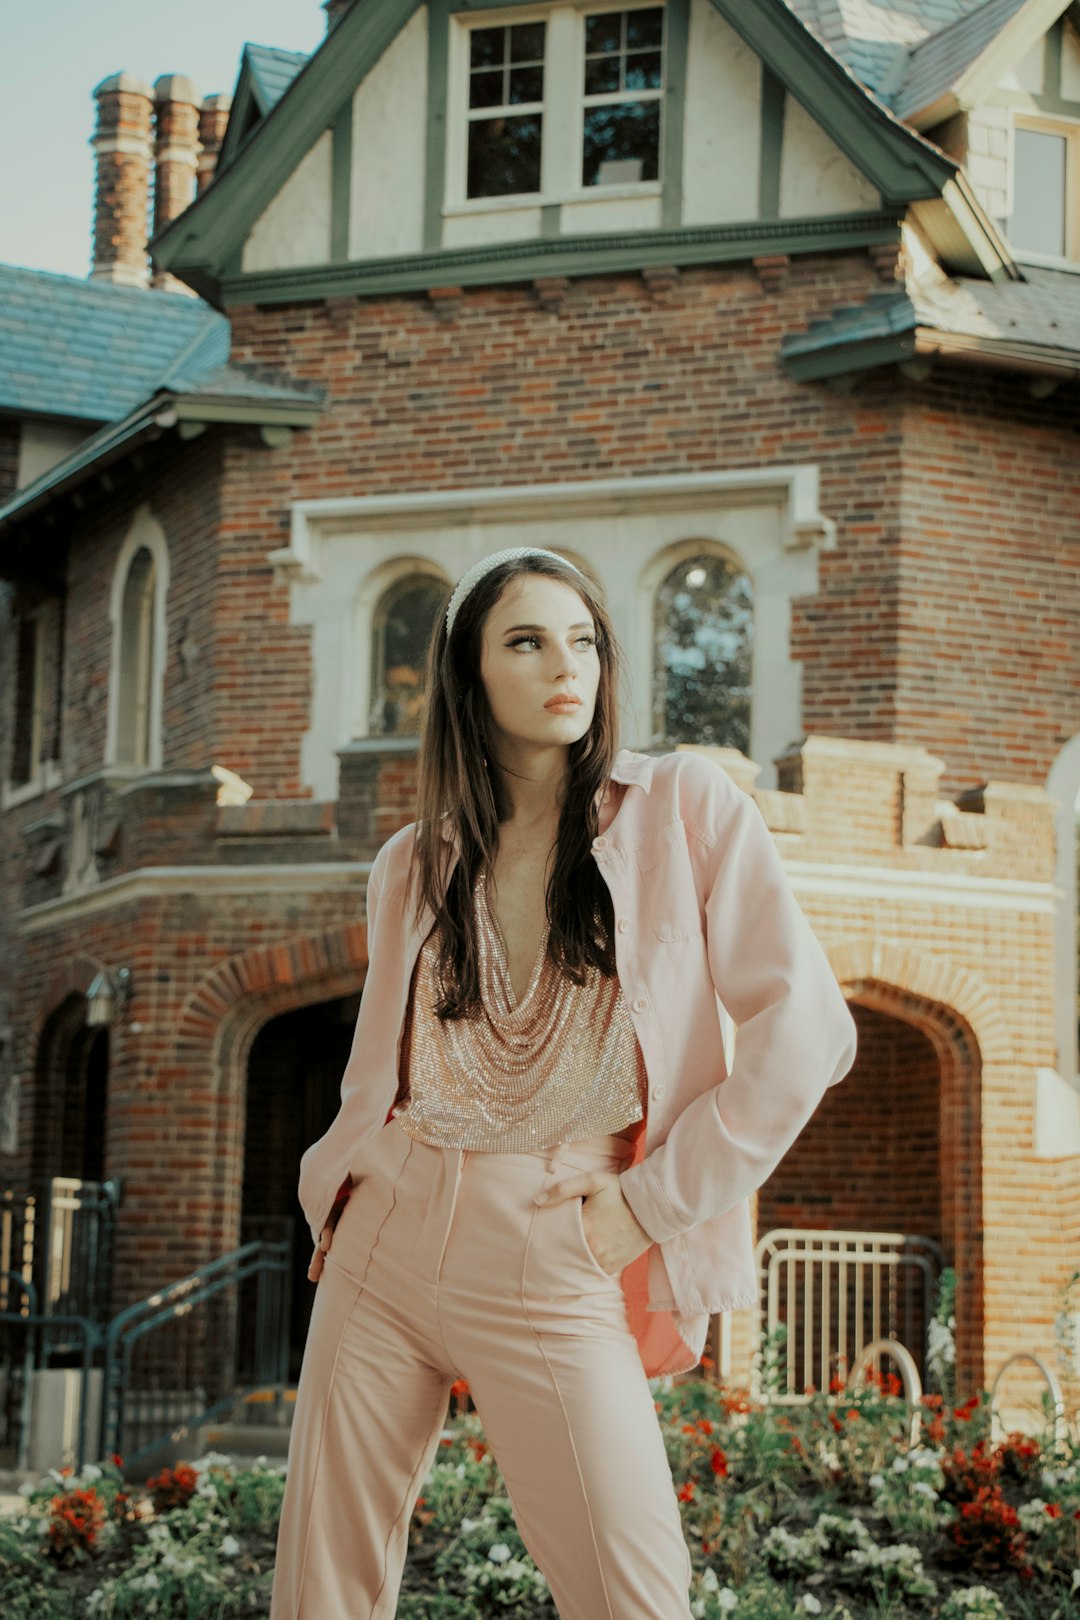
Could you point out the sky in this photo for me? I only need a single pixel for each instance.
(51, 58)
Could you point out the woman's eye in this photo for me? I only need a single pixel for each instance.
(590, 641)
(521, 641)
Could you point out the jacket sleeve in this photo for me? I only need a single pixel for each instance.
(795, 1036)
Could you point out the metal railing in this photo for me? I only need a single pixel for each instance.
(837, 1292)
(179, 1358)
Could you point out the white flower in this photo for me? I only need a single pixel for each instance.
(900, 1465)
(468, 1525)
(710, 1581)
(697, 1609)
(810, 1604)
(230, 1547)
(726, 1599)
(499, 1553)
(876, 1481)
(27, 1488)
(925, 1490)
(1075, 1580)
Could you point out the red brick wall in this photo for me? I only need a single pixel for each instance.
(870, 1156)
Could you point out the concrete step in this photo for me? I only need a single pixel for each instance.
(241, 1440)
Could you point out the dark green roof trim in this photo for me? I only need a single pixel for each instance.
(902, 165)
(601, 254)
(224, 396)
(225, 212)
(265, 75)
(677, 54)
(861, 354)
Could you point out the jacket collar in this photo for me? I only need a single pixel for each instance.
(629, 767)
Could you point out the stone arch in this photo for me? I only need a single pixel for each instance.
(958, 1015)
(224, 1012)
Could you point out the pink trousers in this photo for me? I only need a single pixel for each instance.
(443, 1267)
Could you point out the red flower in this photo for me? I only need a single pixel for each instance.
(459, 1387)
(719, 1463)
(836, 1384)
(1053, 1510)
(687, 1492)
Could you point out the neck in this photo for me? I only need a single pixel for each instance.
(533, 780)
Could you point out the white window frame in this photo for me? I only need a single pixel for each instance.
(563, 107)
(1051, 125)
(145, 534)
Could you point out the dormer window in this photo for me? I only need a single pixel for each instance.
(554, 103)
(1045, 221)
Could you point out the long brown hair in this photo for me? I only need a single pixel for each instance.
(458, 792)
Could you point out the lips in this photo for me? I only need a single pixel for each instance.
(563, 703)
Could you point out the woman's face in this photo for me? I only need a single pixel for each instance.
(538, 645)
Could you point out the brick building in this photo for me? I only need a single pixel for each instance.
(769, 317)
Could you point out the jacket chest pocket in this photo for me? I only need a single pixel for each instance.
(670, 905)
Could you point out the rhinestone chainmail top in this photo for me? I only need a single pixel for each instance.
(561, 1065)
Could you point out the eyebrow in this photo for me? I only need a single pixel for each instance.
(582, 624)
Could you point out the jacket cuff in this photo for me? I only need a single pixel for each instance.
(649, 1203)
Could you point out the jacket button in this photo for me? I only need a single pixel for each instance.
(599, 843)
(658, 1091)
(640, 1004)
(623, 924)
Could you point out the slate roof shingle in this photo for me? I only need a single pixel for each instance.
(273, 71)
(1042, 312)
(935, 65)
(91, 351)
(868, 34)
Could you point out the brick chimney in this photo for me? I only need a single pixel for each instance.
(335, 10)
(122, 148)
(176, 156)
(213, 120)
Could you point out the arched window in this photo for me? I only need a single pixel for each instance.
(401, 629)
(702, 644)
(136, 671)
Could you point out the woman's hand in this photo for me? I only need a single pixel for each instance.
(326, 1236)
(612, 1230)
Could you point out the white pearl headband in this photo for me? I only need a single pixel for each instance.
(476, 573)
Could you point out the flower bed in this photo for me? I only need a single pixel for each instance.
(824, 1509)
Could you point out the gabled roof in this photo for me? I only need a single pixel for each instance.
(204, 244)
(265, 74)
(220, 393)
(1033, 325)
(90, 351)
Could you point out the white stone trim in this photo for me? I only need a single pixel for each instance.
(155, 882)
(144, 530)
(766, 518)
(957, 890)
(1056, 1133)
(1063, 786)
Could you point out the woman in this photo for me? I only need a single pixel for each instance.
(541, 1165)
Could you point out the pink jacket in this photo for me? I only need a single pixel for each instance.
(704, 911)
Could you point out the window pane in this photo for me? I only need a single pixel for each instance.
(622, 144)
(487, 47)
(643, 71)
(527, 42)
(486, 89)
(644, 27)
(1038, 220)
(23, 761)
(703, 624)
(403, 624)
(504, 155)
(601, 75)
(604, 32)
(526, 84)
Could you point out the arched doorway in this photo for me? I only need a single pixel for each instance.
(70, 1095)
(875, 1158)
(293, 1088)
